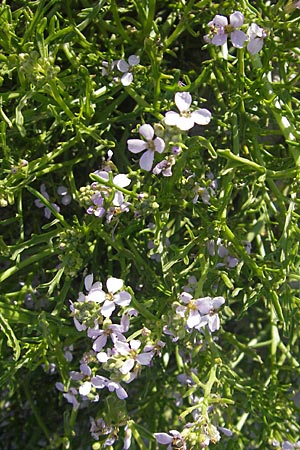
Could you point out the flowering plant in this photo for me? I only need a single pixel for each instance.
(149, 198)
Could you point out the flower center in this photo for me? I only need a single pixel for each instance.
(151, 146)
(109, 296)
(229, 29)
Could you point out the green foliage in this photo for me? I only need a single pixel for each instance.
(62, 109)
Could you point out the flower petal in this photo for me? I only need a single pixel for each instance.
(99, 382)
(185, 123)
(255, 46)
(121, 180)
(201, 116)
(171, 118)
(88, 281)
(100, 342)
(127, 79)
(238, 38)
(185, 297)
(163, 438)
(183, 101)
(123, 298)
(108, 308)
(217, 302)
(133, 60)
(193, 319)
(159, 144)
(127, 366)
(122, 65)
(146, 160)
(135, 344)
(219, 39)
(85, 388)
(146, 131)
(136, 145)
(236, 19)
(204, 305)
(114, 284)
(144, 359)
(218, 21)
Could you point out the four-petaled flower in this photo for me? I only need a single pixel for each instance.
(150, 144)
(126, 67)
(113, 297)
(131, 351)
(256, 38)
(185, 120)
(221, 30)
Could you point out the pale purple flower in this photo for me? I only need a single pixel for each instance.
(256, 38)
(120, 391)
(164, 167)
(40, 204)
(208, 307)
(99, 427)
(97, 208)
(185, 120)
(200, 312)
(173, 440)
(70, 394)
(149, 144)
(131, 352)
(114, 331)
(65, 196)
(192, 309)
(220, 30)
(126, 68)
(113, 211)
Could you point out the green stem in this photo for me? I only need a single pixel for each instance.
(287, 129)
(36, 413)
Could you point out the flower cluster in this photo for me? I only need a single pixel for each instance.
(200, 312)
(184, 121)
(92, 312)
(105, 196)
(221, 29)
(223, 251)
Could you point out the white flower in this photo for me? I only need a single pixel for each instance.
(185, 120)
(256, 38)
(125, 68)
(114, 297)
(151, 145)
